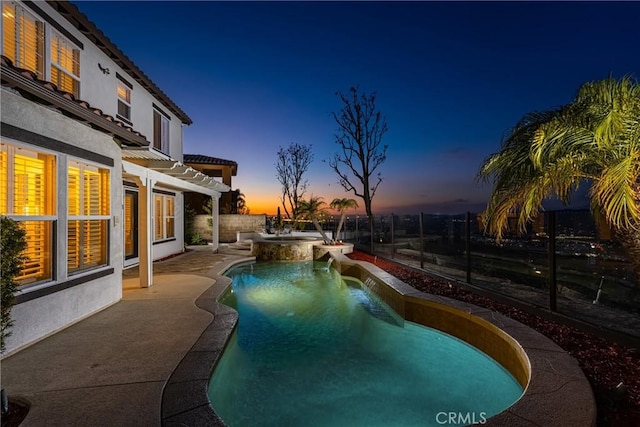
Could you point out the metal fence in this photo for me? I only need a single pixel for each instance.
(563, 263)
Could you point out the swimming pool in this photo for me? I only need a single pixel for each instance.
(312, 348)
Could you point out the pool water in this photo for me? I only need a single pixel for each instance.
(314, 349)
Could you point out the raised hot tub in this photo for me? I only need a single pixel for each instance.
(284, 248)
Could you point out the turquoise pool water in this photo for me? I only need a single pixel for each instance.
(314, 349)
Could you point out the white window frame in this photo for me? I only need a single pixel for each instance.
(163, 217)
(82, 166)
(165, 128)
(62, 40)
(12, 148)
(20, 10)
(127, 102)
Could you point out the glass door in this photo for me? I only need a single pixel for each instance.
(130, 227)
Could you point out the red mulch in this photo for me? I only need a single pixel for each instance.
(605, 363)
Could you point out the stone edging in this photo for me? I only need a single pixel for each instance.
(185, 398)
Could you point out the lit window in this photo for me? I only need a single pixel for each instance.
(160, 132)
(88, 226)
(169, 218)
(164, 218)
(4, 184)
(124, 101)
(22, 38)
(65, 64)
(159, 218)
(27, 195)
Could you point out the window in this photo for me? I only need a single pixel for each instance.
(169, 218)
(23, 38)
(88, 226)
(28, 195)
(130, 224)
(159, 218)
(65, 64)
(23, 42)
(164, 222)
(124, 101)
(160, 131)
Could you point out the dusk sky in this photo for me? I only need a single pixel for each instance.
(451, 78)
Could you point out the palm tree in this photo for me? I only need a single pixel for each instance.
(342, 205)
(595, 139)
(241, 203)
(312, 209)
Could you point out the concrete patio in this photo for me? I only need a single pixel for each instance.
(115, 367)
(147, 360)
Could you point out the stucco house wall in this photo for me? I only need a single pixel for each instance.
(62, 127)
(99, 88)
(54, 310)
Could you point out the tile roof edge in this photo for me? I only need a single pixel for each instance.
(70, 12)
(40, 88)
(230, 162)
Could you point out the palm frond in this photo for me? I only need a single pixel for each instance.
(617, 191)
(549, 153)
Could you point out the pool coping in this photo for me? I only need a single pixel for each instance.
(556, 390)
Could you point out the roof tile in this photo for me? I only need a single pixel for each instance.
(207, 160)
(30, 75)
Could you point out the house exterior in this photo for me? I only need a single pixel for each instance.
(215, 167)
(90, 165)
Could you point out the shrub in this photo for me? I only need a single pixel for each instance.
(196, 239)
(13, 242)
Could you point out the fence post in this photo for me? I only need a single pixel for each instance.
(393, 239)
(333, 229)
(468, 245)
(357, 238)
(372, 230)
(421, 241)
(552, 259)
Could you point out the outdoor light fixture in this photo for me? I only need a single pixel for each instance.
(104, 70)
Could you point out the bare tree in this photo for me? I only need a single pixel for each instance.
(360, 131)
(292, 164)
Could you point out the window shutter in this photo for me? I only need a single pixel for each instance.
(9, 31)
(29, 189)
(89, 201)
(73, 191)
(105, 192)
(73, 245)
(38, 252)
(65, 64)
(91, 192)
(30, 41)
(4, 182)
(159, 218)
(94, 242)
(170, 220)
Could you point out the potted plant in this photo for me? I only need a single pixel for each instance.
(13, 242)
